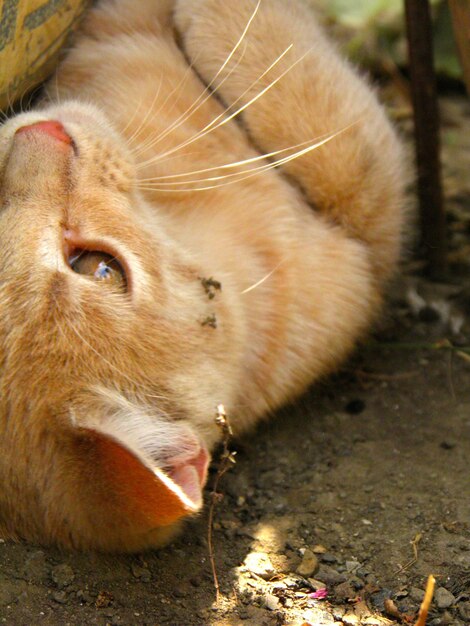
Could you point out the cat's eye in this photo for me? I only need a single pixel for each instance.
(100, 267)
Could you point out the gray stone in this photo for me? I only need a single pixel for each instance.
(352, 566)
(416, 594)
(260, 564)
(329, 576)
(60, 597)
(464, 611)
(443, 598)
(309, 564)
(344, 591)
(63, 575)
(271, 602)
(141, 572)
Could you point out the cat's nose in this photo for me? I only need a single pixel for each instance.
(49, 127)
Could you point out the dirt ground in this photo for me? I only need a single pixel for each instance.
(361, 489)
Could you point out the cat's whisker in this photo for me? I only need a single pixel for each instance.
(224, 113)
(145, 118)
(130, 121)
(210, 127)
(240, 176)
(208, 91)
(263, 280)
(152, 141)
(205, 95)
(228, 165)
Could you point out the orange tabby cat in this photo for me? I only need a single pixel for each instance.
(154, 265)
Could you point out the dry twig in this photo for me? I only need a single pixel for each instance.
(226, 460)
(423, 611)
(414, 545)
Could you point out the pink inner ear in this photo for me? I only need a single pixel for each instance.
(190, 474)
(148, 496)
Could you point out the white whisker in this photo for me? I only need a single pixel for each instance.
(240, 176)
(225, 165)
(264, 279)
(210, 127)
(207, 92)
(145, 118)
(224, 113)
(152, 141)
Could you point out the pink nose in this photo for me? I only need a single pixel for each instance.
(52, 128)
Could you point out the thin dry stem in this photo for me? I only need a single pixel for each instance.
(226, 460)
(424, 609)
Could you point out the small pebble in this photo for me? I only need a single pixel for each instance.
(378, 598)
(260, 564)
(319, 549)
(271, 602)
(416, 594)
(84, 596)
(309, 564)
(464, 611)
(63, 575)
(443, 598)
(329, 576)
(327, 557)
(103, 599)
(352, 566)
(60, 597)
(448, 444)
(344, 591)
(141, 572)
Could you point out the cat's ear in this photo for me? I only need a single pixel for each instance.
(150, 467)
(148, 495)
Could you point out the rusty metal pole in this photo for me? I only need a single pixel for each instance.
(426, 119)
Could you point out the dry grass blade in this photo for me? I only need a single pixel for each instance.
(414, 545)
(424, 609)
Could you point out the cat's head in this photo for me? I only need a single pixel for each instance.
(106, 397)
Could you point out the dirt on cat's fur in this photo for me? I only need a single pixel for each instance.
(362, 488)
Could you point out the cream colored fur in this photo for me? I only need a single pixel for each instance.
(302, 252)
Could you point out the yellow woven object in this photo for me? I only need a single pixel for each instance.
(31, 34)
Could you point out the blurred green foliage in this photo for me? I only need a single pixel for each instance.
(373, 32)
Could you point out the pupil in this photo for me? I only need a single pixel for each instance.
(98, 266)
(103, 271)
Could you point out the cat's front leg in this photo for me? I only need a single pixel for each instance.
(271, 60)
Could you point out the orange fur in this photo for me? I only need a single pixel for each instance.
(301, 252)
